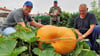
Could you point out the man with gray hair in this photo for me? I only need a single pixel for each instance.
(86, 26)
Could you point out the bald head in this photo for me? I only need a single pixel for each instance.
(83, 10)
(83, 6)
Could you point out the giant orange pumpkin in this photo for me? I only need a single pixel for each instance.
(61, 38)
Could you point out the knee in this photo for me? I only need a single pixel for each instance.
(96, 28)
(8, 31)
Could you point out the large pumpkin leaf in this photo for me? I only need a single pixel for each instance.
(78, 49)
(7, 46)
(82, 49)
(49, 53)
(80, 46)
(85, 46)
(86, 52)
(36, 51)
(19, 50)
(0, 35)
(2, 39)
(48, 50)
(27, 34)
(47, 46)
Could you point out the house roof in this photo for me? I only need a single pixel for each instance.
(3, 14)
(4, 8)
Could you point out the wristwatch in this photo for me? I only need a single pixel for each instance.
(83, 36)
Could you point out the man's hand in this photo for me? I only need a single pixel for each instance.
(42, 25)
(36, 24)
(51, 14)
(57, 13)
(80, 38)
(21, 23)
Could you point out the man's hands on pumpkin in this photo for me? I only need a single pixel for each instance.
(80, 38)
(51, 14)
(42, 25)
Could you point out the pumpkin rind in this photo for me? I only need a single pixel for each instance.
(61, 38)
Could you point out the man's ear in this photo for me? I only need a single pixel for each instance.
(87, 9)
(23, 5)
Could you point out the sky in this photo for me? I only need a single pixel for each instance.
(41, 6)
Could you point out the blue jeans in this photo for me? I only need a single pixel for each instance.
(7, 31)
(93, 36)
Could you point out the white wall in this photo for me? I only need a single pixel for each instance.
(3, 11)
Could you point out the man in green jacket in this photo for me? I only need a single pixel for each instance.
(55, 13)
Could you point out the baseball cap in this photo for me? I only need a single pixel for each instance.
(28, 3)
(55, 1)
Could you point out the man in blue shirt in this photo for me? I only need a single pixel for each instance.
(86, 27)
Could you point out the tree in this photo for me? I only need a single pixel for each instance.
(96, 9)
(93, 4)
(64, 18)
(99, 5)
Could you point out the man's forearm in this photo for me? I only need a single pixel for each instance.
(36, 24)
(90, 30)
(77, 31)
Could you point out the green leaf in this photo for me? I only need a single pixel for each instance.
(74, 32)
(19, 50)
(34, 39)
(7, 46)
(86, 52)
(49, 53)
(27, 36)
(82, 49)
(25, 33)
(2, 39)
(98, 40)
(0, 34)
(78, 49)
(47, 46)
(85, 45)
(36, 51)
(48, 50)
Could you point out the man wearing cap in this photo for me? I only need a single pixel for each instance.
(86, 26)
(55, 13)
(19, 16)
